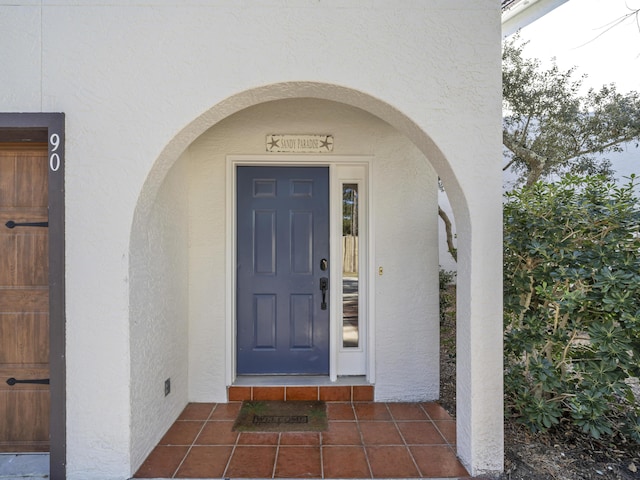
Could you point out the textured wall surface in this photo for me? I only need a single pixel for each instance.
(159, 313)
(139, 82)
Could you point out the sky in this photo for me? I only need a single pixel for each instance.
(576, 34)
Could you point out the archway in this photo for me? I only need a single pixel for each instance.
(147, 207)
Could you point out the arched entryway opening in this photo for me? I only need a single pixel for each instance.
(164, 252)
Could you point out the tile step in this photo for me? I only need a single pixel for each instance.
(327, 393)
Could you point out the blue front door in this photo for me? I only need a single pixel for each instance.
(282, 253)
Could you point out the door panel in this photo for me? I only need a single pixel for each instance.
(18, 405)
(301, 246)
(24, 299)
(264, 322)
(302, 321)
(264, 245)
(282, 234)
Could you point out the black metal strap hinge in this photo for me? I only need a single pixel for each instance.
(12, 224)
(42, 381)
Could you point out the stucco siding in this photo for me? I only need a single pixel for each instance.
(408, 328)
(20, 75)
(160, 314)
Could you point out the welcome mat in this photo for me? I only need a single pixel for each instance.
(274, 416)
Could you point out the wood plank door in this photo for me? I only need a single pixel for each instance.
(24, 298)
(283, 252)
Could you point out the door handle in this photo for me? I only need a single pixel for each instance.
(324, 285)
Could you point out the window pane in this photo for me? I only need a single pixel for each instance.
(350, 327)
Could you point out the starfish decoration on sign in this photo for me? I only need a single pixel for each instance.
(273, 143)
(326, 143)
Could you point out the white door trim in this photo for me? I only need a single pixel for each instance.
(334, 163)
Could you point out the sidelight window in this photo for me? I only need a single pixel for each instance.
(350, 266)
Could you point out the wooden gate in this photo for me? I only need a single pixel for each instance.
(24, 298)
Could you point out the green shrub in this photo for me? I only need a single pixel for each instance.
(447, 295)
(572, 305)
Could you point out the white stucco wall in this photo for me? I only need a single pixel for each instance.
(405, 215)
(159, 314)
(139, 82)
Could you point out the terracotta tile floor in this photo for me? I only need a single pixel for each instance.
(364, 440)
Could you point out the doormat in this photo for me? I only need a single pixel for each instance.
(274, 416)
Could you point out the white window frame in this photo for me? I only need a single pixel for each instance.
(351, 360)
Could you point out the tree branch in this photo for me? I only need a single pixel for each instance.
(601, 148)
(447, 227)
(523, 152)
(506, 167)
(534, 162)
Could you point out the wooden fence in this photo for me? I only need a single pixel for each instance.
(349, 254)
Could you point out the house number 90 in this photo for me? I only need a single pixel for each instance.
(54, 159)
